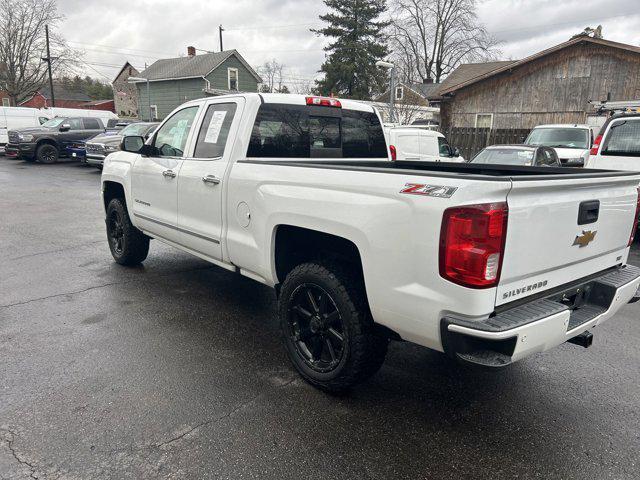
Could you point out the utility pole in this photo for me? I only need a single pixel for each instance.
(48, 60)
(391, 67)
(220, 30)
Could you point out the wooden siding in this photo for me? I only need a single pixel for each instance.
(553, 89)
(167, 95)
(219, 80)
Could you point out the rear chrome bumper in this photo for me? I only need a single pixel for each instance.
(543, 323)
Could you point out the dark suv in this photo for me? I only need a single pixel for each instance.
(49, 142)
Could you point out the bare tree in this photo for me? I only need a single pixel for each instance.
(430, 38)
(271, 71)
(22, 45)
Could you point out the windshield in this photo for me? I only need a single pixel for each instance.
(559, 137)
(54, 122)
(505, 156)
(135, 130)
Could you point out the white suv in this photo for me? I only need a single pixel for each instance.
(617, 147)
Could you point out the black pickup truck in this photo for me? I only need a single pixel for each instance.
(49, 142)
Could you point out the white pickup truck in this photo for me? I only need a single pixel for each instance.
(486, 263)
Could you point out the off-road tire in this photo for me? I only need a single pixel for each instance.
(47, 153)
(128, 245)
(364, 349)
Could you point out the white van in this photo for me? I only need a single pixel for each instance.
(419, 144)
(19, 117)
(617, 146)
(103, 115)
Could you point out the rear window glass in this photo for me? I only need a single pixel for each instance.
(623, 139)
(297, 131)
(505, 156)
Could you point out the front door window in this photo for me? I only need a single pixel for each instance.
(172, 136)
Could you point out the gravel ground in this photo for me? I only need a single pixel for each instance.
(175, 370)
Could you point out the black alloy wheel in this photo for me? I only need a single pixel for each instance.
(316, 328)
(115, 231)
(47, 154)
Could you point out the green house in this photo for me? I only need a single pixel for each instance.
(173, 81)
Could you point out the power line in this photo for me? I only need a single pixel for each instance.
(263, 27)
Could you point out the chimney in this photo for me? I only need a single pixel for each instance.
(427, 80)
(191, 51)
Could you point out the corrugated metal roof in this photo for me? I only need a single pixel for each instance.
(190, 67)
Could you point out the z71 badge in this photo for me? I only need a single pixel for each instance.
(429, 190)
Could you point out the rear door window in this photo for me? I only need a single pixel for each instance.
(623, 139)
(214, 131)
(91, 124)
(297, 131)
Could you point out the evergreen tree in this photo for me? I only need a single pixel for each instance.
(349, 67)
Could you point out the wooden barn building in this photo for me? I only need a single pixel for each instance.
(552, 86)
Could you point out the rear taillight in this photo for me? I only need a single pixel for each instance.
(324, 102)
(635, 220)
(596, 145)
(394, 154)
(472, 244)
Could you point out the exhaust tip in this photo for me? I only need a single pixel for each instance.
(585, 339)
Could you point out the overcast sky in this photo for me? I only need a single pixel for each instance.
(111, 32)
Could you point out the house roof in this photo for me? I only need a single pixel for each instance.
(98, 102)
(191, 67)
(126, 64)
(64, 92)
(470, 73)
(425, 90)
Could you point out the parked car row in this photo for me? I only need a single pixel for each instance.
(615, 146)
(67, 136)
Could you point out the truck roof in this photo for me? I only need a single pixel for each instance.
(292, 99)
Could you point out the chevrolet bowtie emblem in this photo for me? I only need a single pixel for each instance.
(585, 239)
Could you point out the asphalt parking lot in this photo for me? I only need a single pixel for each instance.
(175, 370)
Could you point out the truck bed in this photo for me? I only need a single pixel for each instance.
(453, 170)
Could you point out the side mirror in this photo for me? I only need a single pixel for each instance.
(65, 127)
(132, 144)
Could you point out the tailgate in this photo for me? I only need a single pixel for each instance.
(547, 247)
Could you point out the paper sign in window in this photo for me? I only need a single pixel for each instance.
(215, 125)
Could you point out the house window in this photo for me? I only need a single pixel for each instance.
(399, 93)
(232, 74)
(6, 102)
(484, 120)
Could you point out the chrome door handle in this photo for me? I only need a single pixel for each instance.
(169, 173)
(211, 179)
